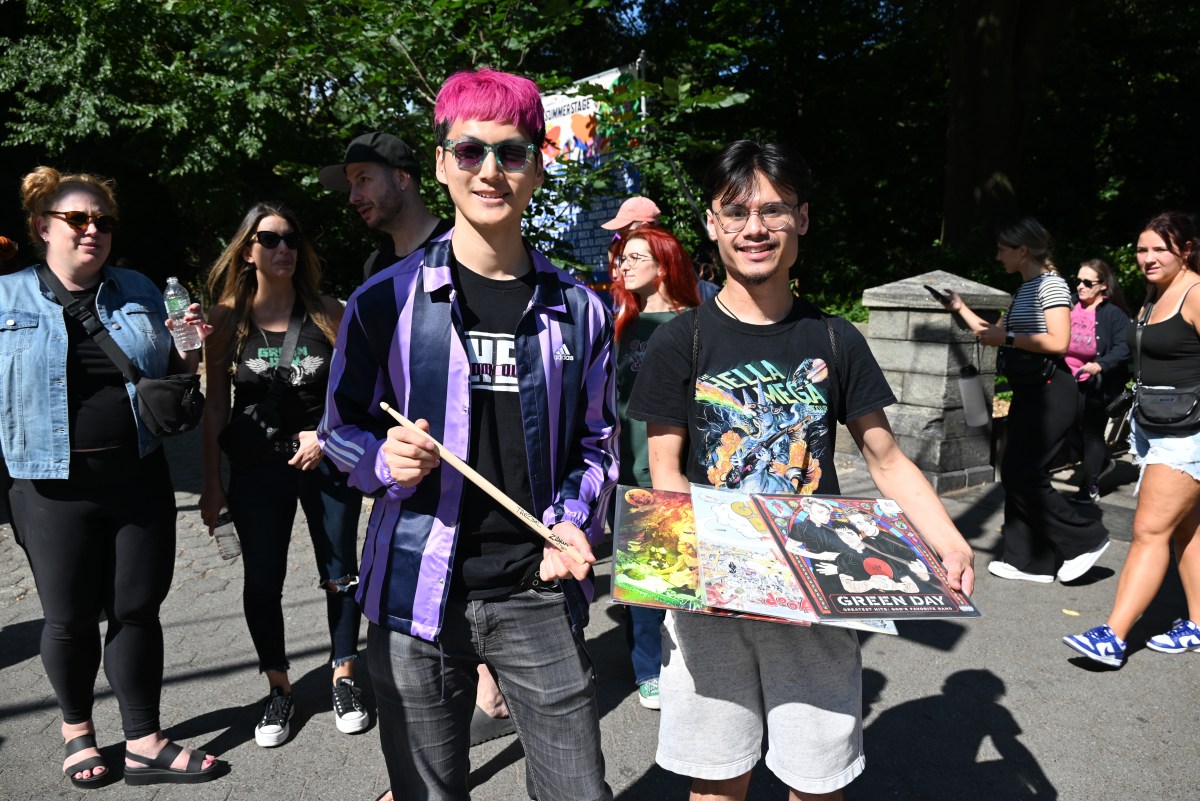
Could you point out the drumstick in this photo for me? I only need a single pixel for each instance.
(508, 503)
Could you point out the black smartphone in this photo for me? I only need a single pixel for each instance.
(938, 296)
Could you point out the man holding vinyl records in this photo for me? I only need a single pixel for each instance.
(757, 371)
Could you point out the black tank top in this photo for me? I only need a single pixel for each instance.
(1170, 352)
(304, 403)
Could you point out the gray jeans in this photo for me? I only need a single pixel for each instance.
(426, 697)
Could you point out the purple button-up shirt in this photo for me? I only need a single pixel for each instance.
(402, 342)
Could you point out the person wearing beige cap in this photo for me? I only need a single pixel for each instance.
(384, 181)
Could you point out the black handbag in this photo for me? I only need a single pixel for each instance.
(167, 406)
(1023, 367)
(1166, 411)
(254, 432)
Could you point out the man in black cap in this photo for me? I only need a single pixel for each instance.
(382, 176)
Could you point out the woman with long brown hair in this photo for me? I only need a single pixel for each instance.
(266, 282)
(653, 283)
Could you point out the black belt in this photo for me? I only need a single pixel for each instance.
(289, 447)
(535, 582)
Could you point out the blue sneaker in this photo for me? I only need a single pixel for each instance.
(1100, 644)
(1183, 636)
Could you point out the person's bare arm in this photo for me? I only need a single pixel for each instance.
(666, 452)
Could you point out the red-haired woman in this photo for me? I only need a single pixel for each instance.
(653, 282)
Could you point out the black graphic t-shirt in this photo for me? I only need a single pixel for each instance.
(301, 408)
(759, 414)
(495, 552)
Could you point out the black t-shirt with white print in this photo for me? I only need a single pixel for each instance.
(759, 414)
(495, 552)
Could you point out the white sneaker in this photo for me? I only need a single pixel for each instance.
(1075, 568)
(348, 711)
(1006, 571)
(274, 727)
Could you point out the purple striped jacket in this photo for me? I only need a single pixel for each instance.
(401, 342)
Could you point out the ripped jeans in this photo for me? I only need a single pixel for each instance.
(262, 499)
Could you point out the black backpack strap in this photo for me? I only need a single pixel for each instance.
(94, 328)
(835, 369)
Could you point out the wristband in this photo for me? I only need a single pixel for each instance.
(1010, 338)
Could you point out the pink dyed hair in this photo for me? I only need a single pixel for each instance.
(490, 96)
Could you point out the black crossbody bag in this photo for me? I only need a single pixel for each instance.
(252, 434)
(1166, 411)
(169, 405)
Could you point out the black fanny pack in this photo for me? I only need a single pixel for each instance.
(1166, 411)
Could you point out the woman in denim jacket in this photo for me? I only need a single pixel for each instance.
(92, 501)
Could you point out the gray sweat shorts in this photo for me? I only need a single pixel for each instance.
(723, 678)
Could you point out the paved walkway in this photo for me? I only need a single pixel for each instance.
(993, 709)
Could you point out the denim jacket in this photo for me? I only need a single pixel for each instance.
(34, 432)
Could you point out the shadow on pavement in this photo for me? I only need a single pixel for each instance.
(962, 743)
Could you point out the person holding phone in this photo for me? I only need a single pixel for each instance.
(1043, 536)
(265, 282)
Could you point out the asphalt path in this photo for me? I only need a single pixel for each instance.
(993, 709)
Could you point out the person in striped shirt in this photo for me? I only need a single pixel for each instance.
(508, 362)
(1043, 536)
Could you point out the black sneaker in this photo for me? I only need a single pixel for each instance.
(348, 711)
(273, 729)
(1087, 494)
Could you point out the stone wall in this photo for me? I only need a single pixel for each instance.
(921, 348)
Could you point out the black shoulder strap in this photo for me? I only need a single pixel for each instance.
(835, 369)
(290, 339)
(94, 328)
(695, 343)
(1137, 343)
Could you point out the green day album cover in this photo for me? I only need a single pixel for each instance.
(860, 558)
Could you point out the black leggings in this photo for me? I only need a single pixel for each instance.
(102, 540)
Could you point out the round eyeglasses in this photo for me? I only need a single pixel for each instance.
(774, 217)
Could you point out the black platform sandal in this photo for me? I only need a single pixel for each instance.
(82, 743)
(158, 769)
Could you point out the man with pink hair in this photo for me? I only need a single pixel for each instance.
(508, 362)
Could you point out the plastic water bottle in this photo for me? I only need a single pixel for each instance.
(974, 402)
(177, 300)
(228, 545)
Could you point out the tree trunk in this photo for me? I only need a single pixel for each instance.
(998, 51)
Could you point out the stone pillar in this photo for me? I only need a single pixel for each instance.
(921, 348)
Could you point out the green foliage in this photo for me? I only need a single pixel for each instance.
(200, 107)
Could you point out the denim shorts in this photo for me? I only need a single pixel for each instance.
(715, 701)
(1178, 453)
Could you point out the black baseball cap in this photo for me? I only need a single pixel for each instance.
(381, 147)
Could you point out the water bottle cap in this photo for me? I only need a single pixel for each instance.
(968, 371)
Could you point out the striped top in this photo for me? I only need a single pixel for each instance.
(1027, 312)
(402, 342)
